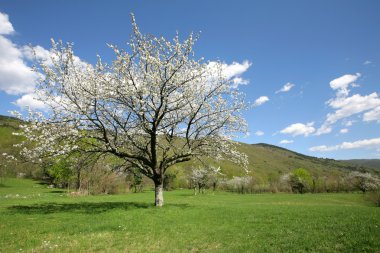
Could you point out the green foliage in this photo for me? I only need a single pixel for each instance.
(373, 197)
(169, 181)
(300, 180)
(60, 172)
(135, 177)
(34, 218)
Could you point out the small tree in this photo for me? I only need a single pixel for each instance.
(300, 180)
(199, 179)
(202, 177)
(364, 181)
(154, 106)
(136, 179)
(240, 184)
(214, 176)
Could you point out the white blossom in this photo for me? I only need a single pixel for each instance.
(154, 106)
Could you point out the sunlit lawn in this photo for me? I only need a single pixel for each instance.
(34, 218)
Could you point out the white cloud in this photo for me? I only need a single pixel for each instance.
(324, 129)
(5, 26)
(261, 100)
(366, 143)
(287, 87)
(37, 53)
(233, 71)
(367, 62)
(235, 68)
(323, 148)
(344, 81)
(15, 76)
(239, 81)
(299, 129)
(373, 115)
(348, 106)
(343, 130)
(259, 133)
(28, 100)
(349, 123)
(286, 141)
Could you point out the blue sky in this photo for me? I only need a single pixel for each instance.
(304, 44)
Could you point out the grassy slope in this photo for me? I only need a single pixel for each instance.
(267, 161)
(8, 126)
(34, 218)
(371, 163)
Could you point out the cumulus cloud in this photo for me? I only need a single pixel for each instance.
(299, 129)
(366, 143)
(348, 106)
(37, 53)
(345, 106)
(324, 129)
(286, 141)
(261, 100)
(259, 133)
(233, 71)
(6, 27)
(349, 123)
(367, 62)
(343, 130)
(323, 148)
(239, 81)
(16, 75)
(373, 115)
(29, 100)
(342, 83)
(287, 87)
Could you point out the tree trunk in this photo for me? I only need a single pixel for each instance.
(159, 194)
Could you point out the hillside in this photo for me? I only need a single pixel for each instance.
(371, 163)
(9, 125)
(265, 160)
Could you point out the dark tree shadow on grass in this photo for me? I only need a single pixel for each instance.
(58, 191)
(82, 207)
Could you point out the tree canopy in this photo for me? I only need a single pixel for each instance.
(154, 106)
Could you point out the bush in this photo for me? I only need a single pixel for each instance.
(364, 181)
(373, 197)
(98, 180)
(300, 180)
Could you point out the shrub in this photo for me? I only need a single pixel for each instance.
(364, 181)
(373, 197)
(300, 180)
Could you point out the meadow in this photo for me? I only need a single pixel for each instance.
(35, 218)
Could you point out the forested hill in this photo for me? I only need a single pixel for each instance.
(264, 159)
(371, 163)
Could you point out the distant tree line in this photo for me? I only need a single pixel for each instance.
(87, 174)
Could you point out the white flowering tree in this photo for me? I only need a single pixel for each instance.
(154, 106)
(364, 181)
(201, 177)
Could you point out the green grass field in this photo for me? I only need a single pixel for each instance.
(34, 218)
